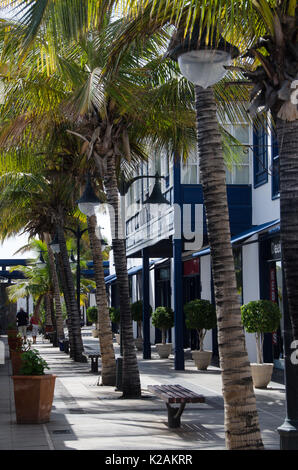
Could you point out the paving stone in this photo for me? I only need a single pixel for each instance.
(90, 417)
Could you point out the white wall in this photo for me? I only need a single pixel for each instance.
(251, 287)
(205, 270)
(264, 208)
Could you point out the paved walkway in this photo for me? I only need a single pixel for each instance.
(86, 416)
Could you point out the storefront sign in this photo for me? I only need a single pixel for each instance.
(273, 296)
(275, 249)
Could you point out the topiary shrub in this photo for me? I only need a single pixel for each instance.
(137, 313)
(114, 315)
(92, 314)
(259, 317)
(200, 315)
(163, 318)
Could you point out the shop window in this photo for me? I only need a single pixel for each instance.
(260, 161)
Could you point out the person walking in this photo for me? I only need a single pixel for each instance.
(22, 320)
(34, 324)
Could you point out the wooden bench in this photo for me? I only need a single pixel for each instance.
(175, 394)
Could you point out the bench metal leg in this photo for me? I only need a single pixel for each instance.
(94, 365)
(174, 415)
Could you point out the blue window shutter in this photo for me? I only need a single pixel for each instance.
(260, 160)
(275, 167)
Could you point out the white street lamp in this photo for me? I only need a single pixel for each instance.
(203, 63)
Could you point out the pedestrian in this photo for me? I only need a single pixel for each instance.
(22, 320)
(34, 324)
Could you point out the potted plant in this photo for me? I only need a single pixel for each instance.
(259, 317)
(16, 356)
(13, 337)
(33, 389)
(92, 318)
(115, 318)
(200, 315)
(163, 318)
(137, 316)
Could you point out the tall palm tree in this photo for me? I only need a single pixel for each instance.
(37, 278)
(120, 113)
(108, 373)
(37, 204)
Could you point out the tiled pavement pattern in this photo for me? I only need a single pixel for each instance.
(86, 416)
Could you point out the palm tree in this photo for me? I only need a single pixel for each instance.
(120, 114)
(108, 373)
(253, 19)
(36, 281)
(36, 202)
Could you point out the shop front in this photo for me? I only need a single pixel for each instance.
(271, 289)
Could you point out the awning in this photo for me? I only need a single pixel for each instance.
(131, 271)
(110, 278)
(242, 236)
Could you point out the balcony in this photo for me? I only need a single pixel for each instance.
(155, 229)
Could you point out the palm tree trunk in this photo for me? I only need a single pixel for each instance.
(108, 371)
(63, 283)
(287, 136)
(37, 307)
(77, 342)
(131, 385)
(56, 289)
(48, 316)
(241, 417)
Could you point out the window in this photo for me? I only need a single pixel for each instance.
(275, 167)
(238, 171)
(260, 142)
(190, 169)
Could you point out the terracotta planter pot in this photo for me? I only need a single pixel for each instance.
(164, 350)
(201, 359)
(33, 396)
(14, 343)
(139, 344)
(16, 361)
(261, 374)
(12, 333)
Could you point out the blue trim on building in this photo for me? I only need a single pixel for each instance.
(240, 237)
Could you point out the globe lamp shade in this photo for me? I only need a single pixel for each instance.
(204, 67)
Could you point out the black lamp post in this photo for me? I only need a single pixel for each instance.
(78, 235)
(288, 431)
(156, 196)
